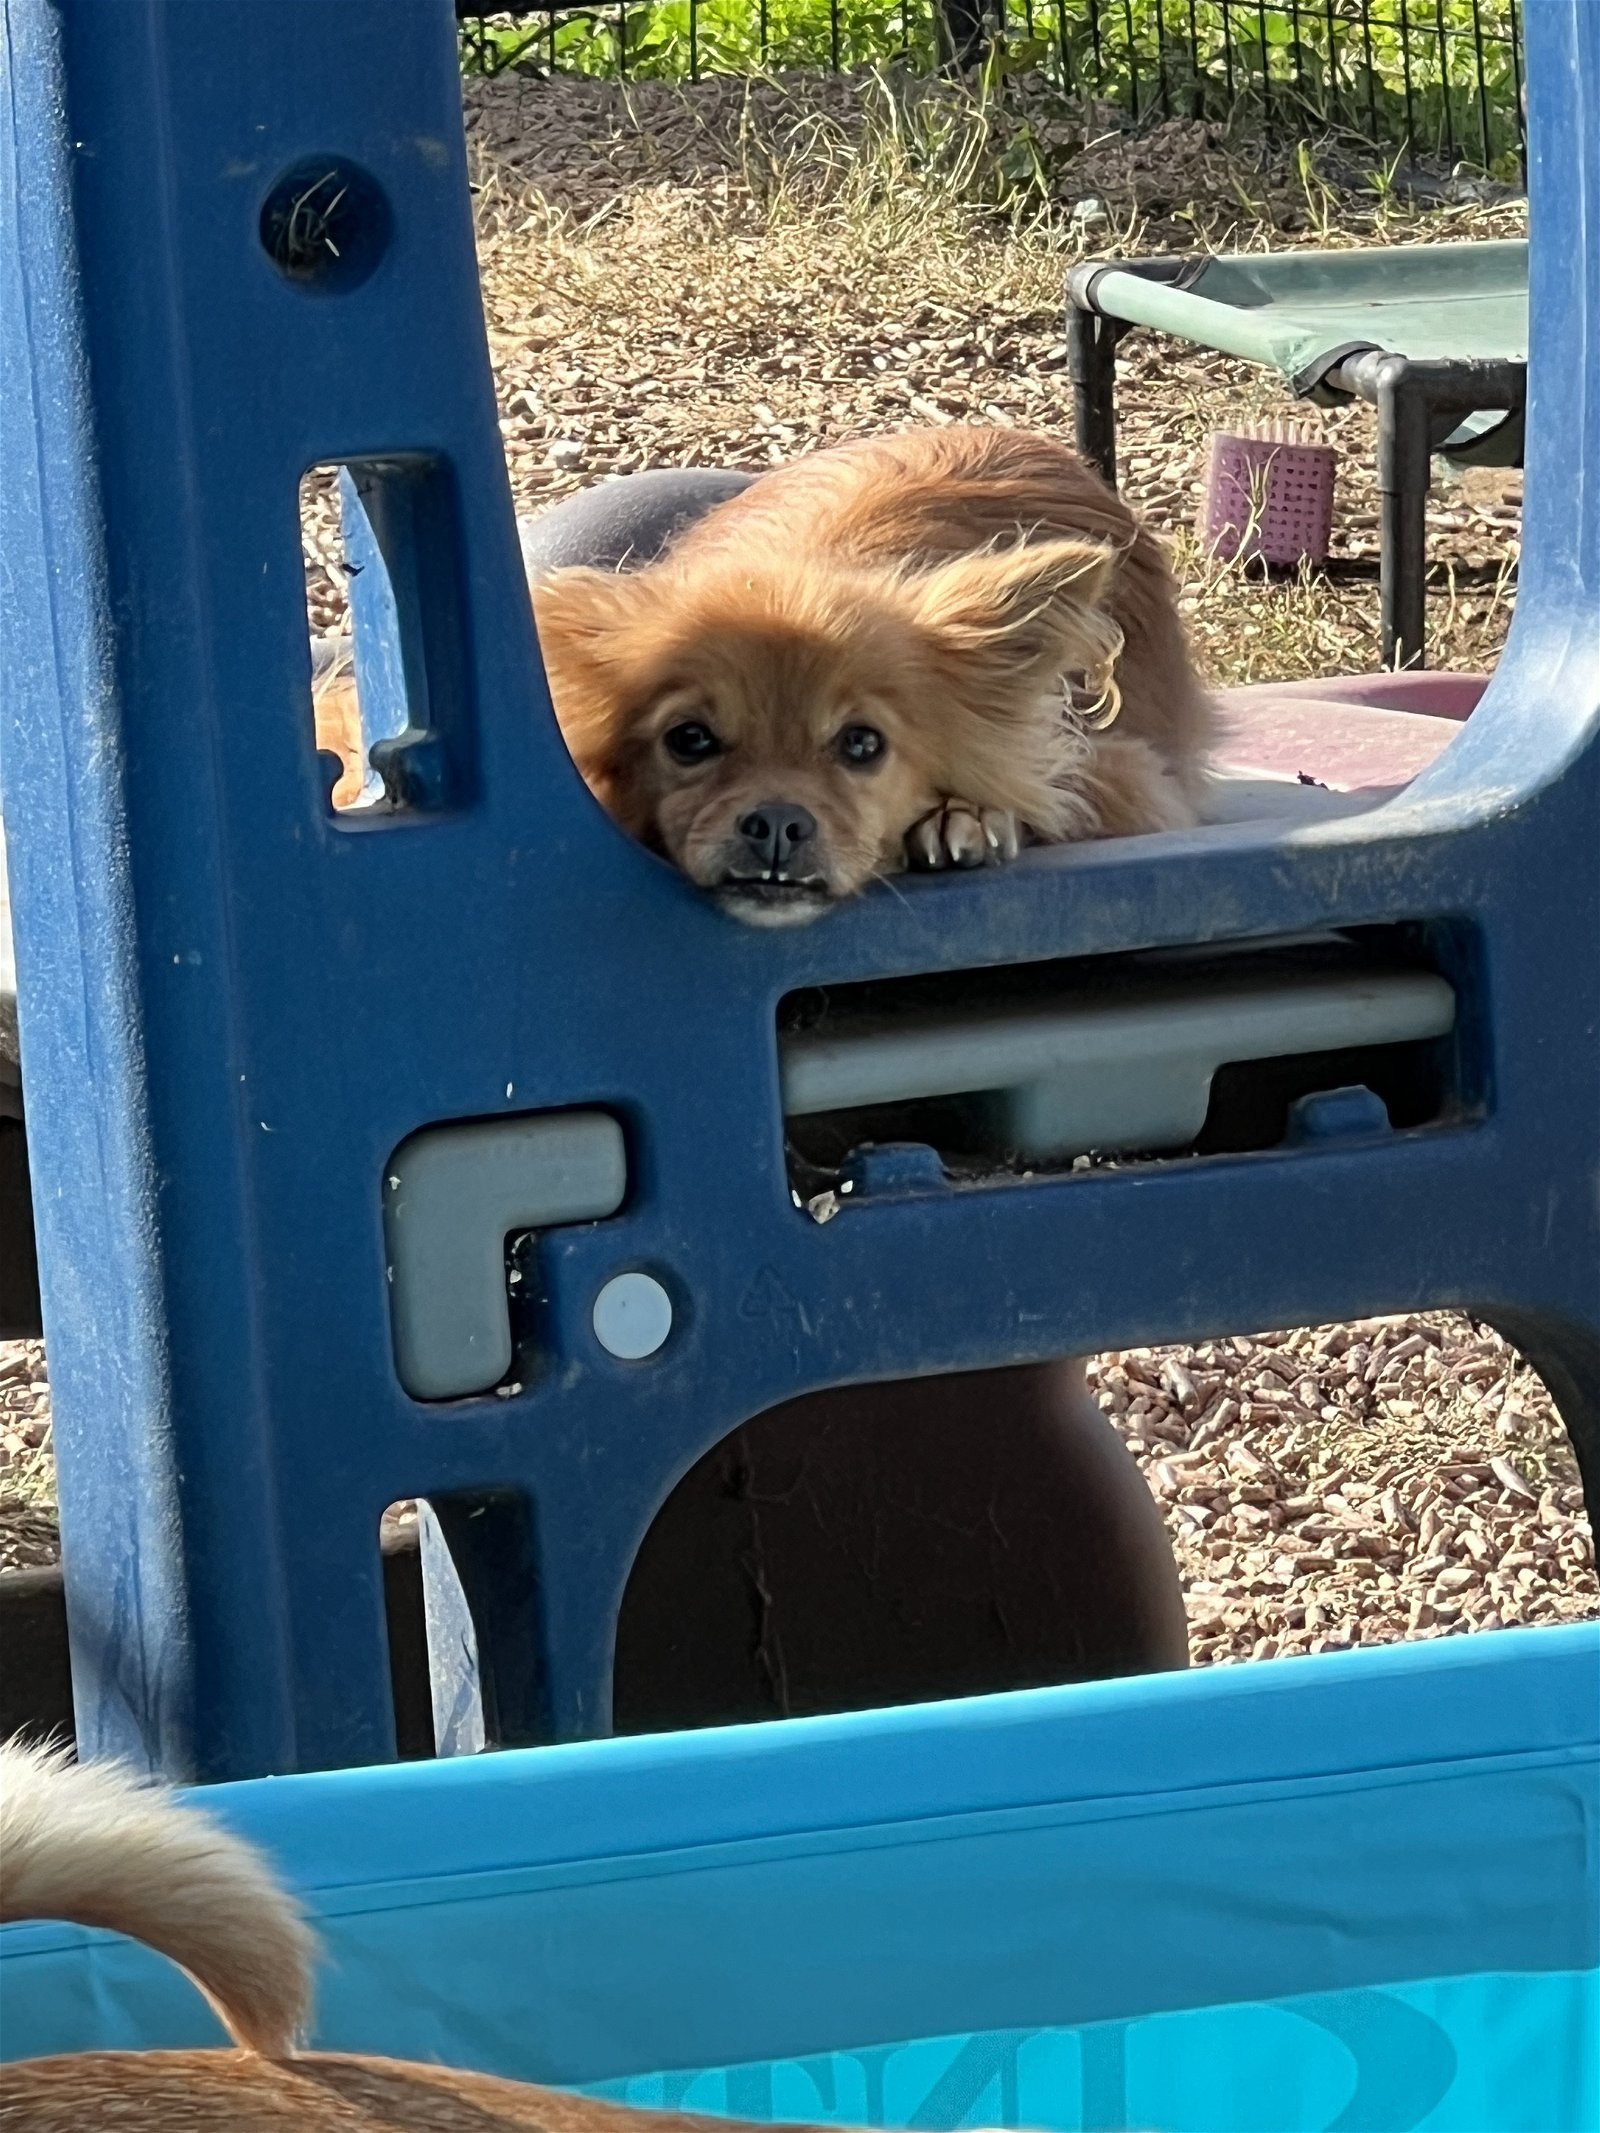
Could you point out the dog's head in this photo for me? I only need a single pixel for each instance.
(777, 730)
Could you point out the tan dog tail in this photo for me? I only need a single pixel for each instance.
(91, 1844)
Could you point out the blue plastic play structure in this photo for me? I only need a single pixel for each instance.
(293, 1077)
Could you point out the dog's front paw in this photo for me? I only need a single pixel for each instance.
(959, 834)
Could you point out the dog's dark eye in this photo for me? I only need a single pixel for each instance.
(859, 745)
(692, 741)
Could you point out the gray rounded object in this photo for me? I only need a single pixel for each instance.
(621, 524)
(617, 525)
(899, 1543)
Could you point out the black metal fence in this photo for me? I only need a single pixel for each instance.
(1440, 79)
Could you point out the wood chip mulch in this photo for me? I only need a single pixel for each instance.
(688, 276)
(1398, 1477)
(27, 1474)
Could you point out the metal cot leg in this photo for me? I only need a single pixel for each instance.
(1419, 401)
(1404, 474)
(1092, 354)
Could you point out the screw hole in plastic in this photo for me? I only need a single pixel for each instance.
(325, 224)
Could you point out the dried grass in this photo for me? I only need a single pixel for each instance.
(730, 274)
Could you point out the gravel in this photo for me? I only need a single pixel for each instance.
(1398, 1477)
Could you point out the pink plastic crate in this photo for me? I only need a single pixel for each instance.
(1268, 496)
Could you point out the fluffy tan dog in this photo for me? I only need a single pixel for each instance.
(925, 649)
(905, 650)
(93, 1847)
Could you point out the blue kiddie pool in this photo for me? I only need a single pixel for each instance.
(1355, 1892)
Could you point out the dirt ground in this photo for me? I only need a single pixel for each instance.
(735, 274)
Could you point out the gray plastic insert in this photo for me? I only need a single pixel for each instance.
(1105, 1074)
(452, 1195)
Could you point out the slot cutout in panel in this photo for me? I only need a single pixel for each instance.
(405, 1620)
(893, 1086)
(384, 607)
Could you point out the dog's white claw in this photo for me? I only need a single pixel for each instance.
(1003, 832)
(956, 835)
(964, 838)
(923, 848)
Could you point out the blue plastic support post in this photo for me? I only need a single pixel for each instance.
(390, 674)
(232, 248)
(398, 519)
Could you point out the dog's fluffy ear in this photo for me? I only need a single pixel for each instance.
(1034, 608)
(589, 624)
(336, 707)
(582, 613)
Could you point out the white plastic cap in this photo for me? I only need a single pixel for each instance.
(632, 1316)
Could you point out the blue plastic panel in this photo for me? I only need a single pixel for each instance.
(234, 1008)
(1244, 1899)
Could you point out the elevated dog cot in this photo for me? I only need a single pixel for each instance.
(1434, 336)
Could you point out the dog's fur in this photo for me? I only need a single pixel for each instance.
(90, 1845)
(943, 588)
(84, 1842)
(978, 598)
(337, 703)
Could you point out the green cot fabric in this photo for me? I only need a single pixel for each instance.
(1299, 312)
(1292, 310)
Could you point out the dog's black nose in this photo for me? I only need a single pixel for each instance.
(777, 832)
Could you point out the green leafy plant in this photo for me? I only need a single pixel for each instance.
(1440, 75)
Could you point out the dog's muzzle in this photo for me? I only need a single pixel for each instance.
(772, 877)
